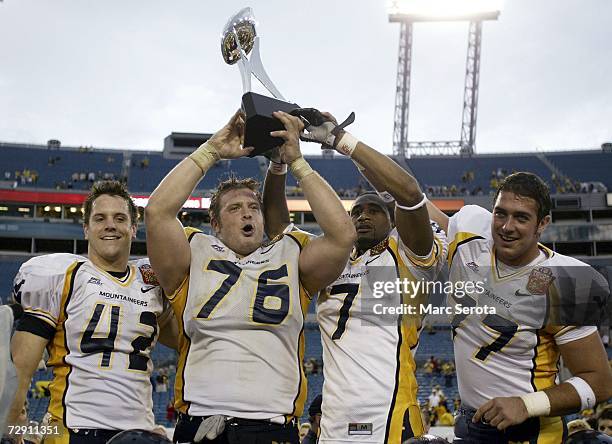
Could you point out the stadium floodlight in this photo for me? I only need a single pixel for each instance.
(443, 10)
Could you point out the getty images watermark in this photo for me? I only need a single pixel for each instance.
(413, 289)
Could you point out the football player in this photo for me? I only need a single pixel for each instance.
(241, 303)
(370, 389)
(507, 361)
(99, 318)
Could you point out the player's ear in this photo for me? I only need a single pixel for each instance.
(214, 224)
(543, 224)
(86, 230)
(133, 229)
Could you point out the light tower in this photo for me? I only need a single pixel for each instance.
(408, 12)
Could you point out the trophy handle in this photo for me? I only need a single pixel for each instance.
(244, 66)
(260, 73)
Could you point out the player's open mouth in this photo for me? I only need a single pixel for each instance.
(110, 237)
(248, 230)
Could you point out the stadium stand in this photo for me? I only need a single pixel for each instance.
(584, 166)
(54, 168)
(447, 171)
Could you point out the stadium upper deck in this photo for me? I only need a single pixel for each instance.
(39, 166)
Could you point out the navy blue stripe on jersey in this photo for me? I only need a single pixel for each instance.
(533, 361)
(193, 234)
(465, 241)
(397, 359)
(65, 309)
(36, 326)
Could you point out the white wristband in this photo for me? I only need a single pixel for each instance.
(346, 145)
(415, 207)
(586, 393)
(277, 168)
(537, 404)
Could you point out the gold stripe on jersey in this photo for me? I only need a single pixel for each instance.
(178, 301)
(300, 237)
(405, 393)
(300, 399)
(460, 239)
(42, 315)
(58, 350)
(125, 281)
(430, 259)
(552, 430)
(190, 231)
(545, 362)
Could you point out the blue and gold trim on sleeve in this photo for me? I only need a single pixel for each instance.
(460, 239)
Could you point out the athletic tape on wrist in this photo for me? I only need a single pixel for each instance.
(537, 404)
(277, 168)
(586, 393)
(205, 156)
(300, 168)
(346, 145)
(415, 207)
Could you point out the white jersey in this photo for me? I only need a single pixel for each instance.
(370, 389)
(104, 329)
(241, 341)
(514, 351)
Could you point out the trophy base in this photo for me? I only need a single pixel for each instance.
(260, 122)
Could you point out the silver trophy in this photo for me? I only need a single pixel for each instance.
(238, 40)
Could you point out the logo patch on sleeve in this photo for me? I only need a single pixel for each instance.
(148, 275)
(359, 428)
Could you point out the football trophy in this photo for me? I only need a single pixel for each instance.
(238, 40)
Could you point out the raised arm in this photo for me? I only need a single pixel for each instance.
(324, 257)
(411, 216)
(167, 246)
(276, 212)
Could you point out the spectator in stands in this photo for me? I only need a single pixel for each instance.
(445, 418)
(576, 425)
(170, 412)
(604, 420)
(304, 429)
(434, 398)
(448, 371)
(314, 418)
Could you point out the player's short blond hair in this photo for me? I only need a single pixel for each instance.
(233, 183)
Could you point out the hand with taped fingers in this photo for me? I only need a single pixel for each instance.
(323, 128)
(502, 412)
(227, 142)
(290, 150)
